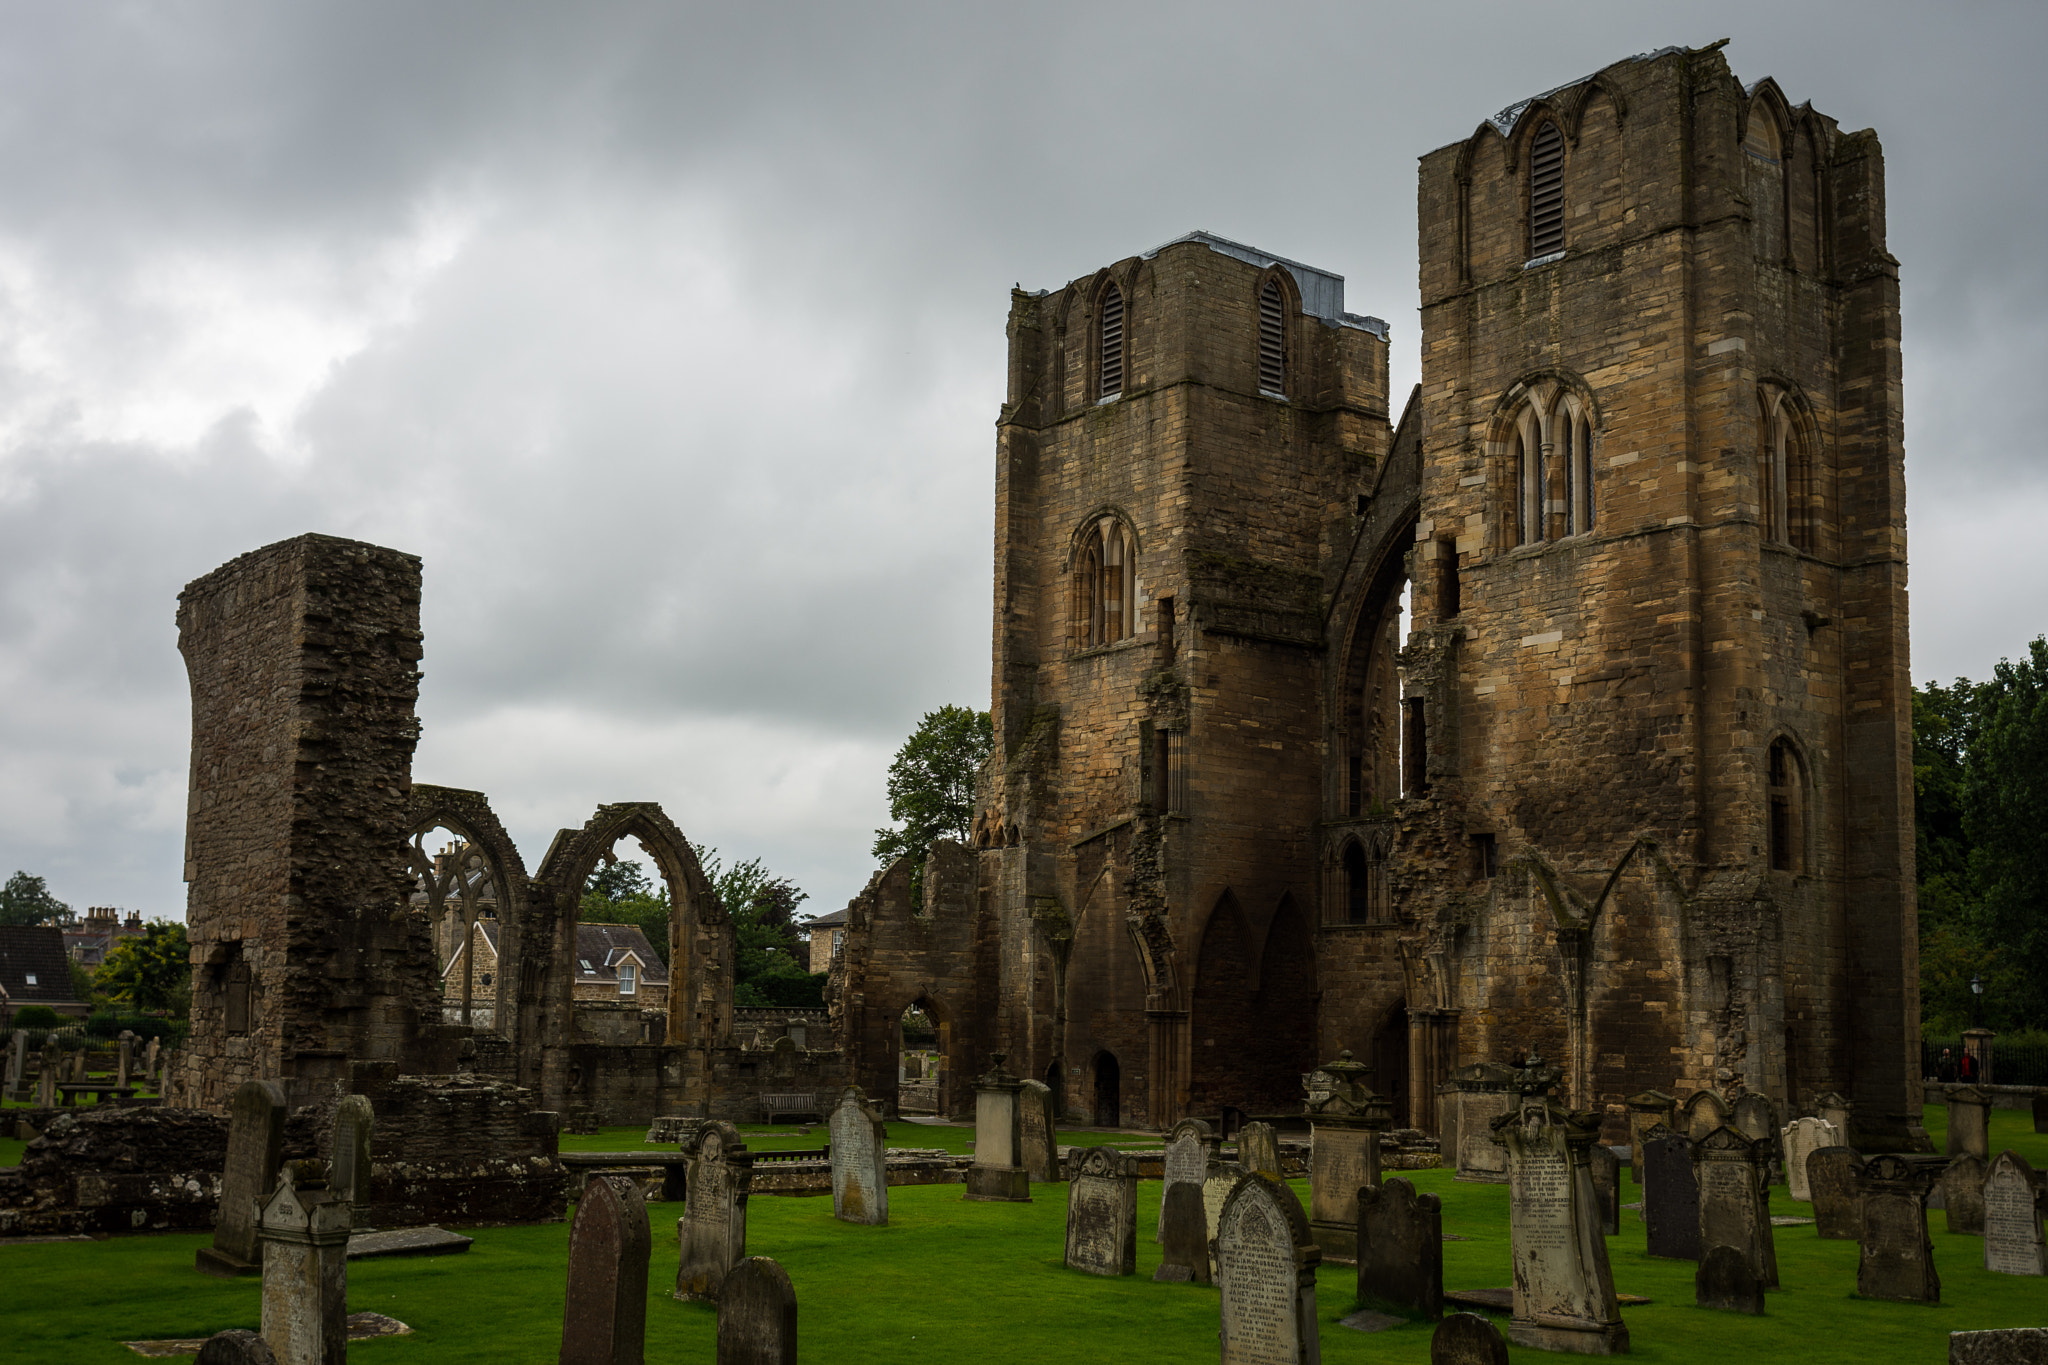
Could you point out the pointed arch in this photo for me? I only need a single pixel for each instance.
(1544, 441)
(468, 815)
(1109, 306)
(1788, 799)
(1764, 132)
(1544, 193)
(1276, 303)
(1789, 501)
(1103, 579)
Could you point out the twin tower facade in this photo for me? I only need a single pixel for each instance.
(1565, 710)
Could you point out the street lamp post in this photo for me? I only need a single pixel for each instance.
(1976, 1002)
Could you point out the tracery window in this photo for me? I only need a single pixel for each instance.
(1552, 492)
(1105, 585)
(1764, 179)
(1273, 339)
(1546, 192)
(1110, 339)
(1784, 475)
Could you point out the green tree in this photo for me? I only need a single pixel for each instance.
(621, 893)
(2006, 819)
(153, 972)
(770, 967)
(27, 900)
(931, 783)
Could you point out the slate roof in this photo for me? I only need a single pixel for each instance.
(600, 948)
(35, 951)
(832, 921)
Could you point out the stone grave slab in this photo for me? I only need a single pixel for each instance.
(757, 1315)
(255, 1151)
(1190, 1146)
(1366, 1320)
(860, 1162)
(361, 1327)
(1258, 1148)
(1896, 1259)
(2003, 1346)
(422, 1241)
(1961, 1188)
(1734, 1176)
(1266, 1275)
(1564, 1289)
(1184, 1249)
(1703, 1112)
(1467, 1339)
(1039, 1157)
(1400, 1248)
(1671, 1196)
(1726, 1280)
(712, 1232)
(2013, 1198)
(1606, 1168)
(1831, 1185)
(604, 1313)
(1800, 1139)
(1102, 1212)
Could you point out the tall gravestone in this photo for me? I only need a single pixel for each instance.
(348, 1163)
(998, 1172)
(1837, 1201)
(46, 1077)
(1962, 1196)
(17, 1060)
(1184, 1237)
(1801, 1138)
(1266, 1275)
(1467, 1105)
(1832, 1107)
(1703, 1112)
(304, 1226)
(757, 1315)
(1190, 1146)
(1102, 1212)
(1734, 1175)
(1897, 1254)
(125, 1061)
(1564, 1290)
(1754, 1116)
(1258, 1147)
(1346, 1118)
(860, 1161)
(1671, 1195)
(255, 1150)
(1467, 1339)
(1606, 1168)
(149, 1060)
(713, 1229)
(604, 1315)
(1037, 1153)
(1646, 1111)
(1401, 1248)
(2013, 1198)
(1969, 1123)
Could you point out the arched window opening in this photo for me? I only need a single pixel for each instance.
(1105, 585)
(1787, 796)
(1764, 179)
(237, 997)
(1357, 885)
(1549, 475)
(1273, 340)
(1111, 331)
(1546, 192)
(1784, 476)
(1574, 442)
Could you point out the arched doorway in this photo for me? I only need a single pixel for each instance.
(1389, 1058)
(1055, 1081)
(1108, 1091)
(919, 1053)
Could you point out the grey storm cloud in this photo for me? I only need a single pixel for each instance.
(671, 338)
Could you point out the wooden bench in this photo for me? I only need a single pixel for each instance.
(774, 1107)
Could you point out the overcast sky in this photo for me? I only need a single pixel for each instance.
(671, 337)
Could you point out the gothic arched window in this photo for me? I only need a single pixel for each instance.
(1784, 475)
(1109, 331)
(1273, 339)
(1786, 782)
(1551, 489)
(1546, 191)
(1105, 584)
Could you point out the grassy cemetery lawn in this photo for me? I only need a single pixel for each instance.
(948, 1280)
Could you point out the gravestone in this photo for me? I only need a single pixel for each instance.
(997, 1172)
(1703, 1112)
(1754, 1116)
(1646, 1111)
(1962, 1196)
(1221, 1179)
(304, 1226)
(2041, 1111)
(125, 1061)
(1102, 1212)
(1259, 1149)
(1346, 1118)
(1266, 1275)
(1969, 1117)
(1039, 1157)
(46, 1078)
(1801, 1138)
(17, 1060)
(2000, 1346)
(1401, 1248)
(1564, 1290)
(757, 1315)
(1727, 1281)
(1671, 1195)
(1606, 1168)
(149, 1061)
(713, 1229)
(349, 1165)
(1467, 1105)
(236, 1347)
(1184, 1236)
(1831, 1183)
(860, 1161)
(2013, 1198)
(1467, 1339)
(255, 1149)
(604, 1316)
(1897, 1254)
(1831, 1107)
(1734, 1175)
(1189, 1148)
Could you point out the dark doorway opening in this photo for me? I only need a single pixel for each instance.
(1108, 1100)
(1390, 1061)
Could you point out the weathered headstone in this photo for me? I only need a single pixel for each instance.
(1734, 1174)
(1564, 1290)
(125, 1061)
(1646, 1111)
(860, 1161)
(713, 1229)
(1897, 1253)
(1801, 1138)
(349, 1166)
(1726, 1280)
(149, 1060)
(1754, 1116)
(1184, 1250)
(1467, 1105)
(1189, 1148)
(1606, 1168)
(2000, 1346)
(1831, 1107)
(1346, 1118)
(1401, 1248)
(1831, 1182)
(17, 1060)
(2013, 1199)
(604, 1316)
(1217, 1183)
(46, 1078)
(1703, 1112)
(1962, 1196)
(255, 1149)
(1266, 1272)
(236, 1347)
(757, 1315)
(1036, 1152)
(1671, 1195)
(997, 1172)
(1467, 1339)
(1102, 1212)
(1969, 1119)
(304, 1226)
(1259, 1149)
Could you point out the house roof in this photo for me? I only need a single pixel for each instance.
(33, 967)
(835, 920)
(602, 948)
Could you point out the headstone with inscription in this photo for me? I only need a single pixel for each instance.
(1703, 1112)
(1467, 1339)
(1801, 1138)
(1727, 1281)
(2013, 1199)
(1962, 1196)
(1266, 1274)
(1401, 1248)
(1467, 1105)
(1564, 1290)
(1217, 1183)
(348, 1167)
(1831, 1184)
(1606, 1167)
(1190, 1146)
(1969, 1119)
(1832, 1107)
(998, 1173)
(255, 1150)
(712, 1232)
(860, 1162)
(1671, 1195)
(304, 1226)
(1037, 1154)
(757, 1315)
(1184, 1238)
(1646, 1111)
(1897, 1253)
(1735, 1211)
(46, 1077)
(1346, 1118)
(1259, 1149)
(1102, 1212)
(604, 1315)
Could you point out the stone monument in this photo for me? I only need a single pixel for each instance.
(1962, 1196)
(1755, 1117)
(348, 1166)
(1831, 1182)
(2013, 1199)
(1646, 1111)
(1036, 1150)
(1606, 1168)
(604, 1315)
(1266, 1275)
(1184, 1236)
(997, 1172)
(1467, 1339)
(1346, 1118)
(1969, 1120)
(1258, 1147)
(1831, 1107)
(1467, 1105)
(1671, 1195)
(713, 1229)
(1727, 1281)
(757, 1315)
(1801, 1138)
(1564, 1290)
(255, 1149)
(1401, 1248)
(46, 1077)
(1190, 1147)
(1102, 1212)
(1897, 1260)
(304, 1226)
(1703, 1112)
(860, 1161)
(1734, 1175)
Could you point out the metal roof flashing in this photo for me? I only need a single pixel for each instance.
(1322, 291)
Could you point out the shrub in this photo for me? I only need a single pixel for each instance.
(35, 1016)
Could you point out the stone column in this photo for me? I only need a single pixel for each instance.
(1346, 1117)
(998, 1172)
(305, 1227)
(1977, 1046)
(1969, 1123)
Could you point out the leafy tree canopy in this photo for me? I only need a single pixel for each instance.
(770, 967)
(931, 783)
(622, 893)
(26, 899)
(153, 972)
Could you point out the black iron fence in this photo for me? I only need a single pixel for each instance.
(2011, 1063)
